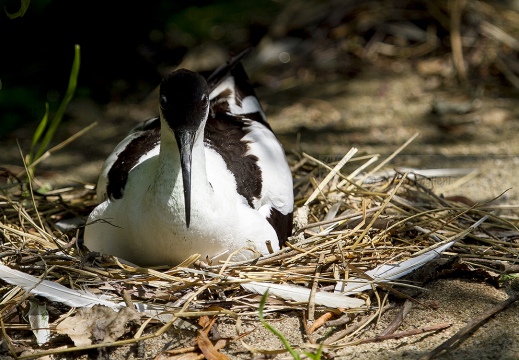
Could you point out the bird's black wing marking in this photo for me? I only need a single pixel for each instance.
(224, 134)
(243, 89)
(128, 158)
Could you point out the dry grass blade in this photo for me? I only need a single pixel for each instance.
(332, 173)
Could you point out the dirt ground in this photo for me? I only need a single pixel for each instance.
(376, 111)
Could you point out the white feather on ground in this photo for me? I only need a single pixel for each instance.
(386, 273)
(75, 298)
(301, 294)
(52, 290)
(39, 320)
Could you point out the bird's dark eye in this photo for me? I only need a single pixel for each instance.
(163, 101)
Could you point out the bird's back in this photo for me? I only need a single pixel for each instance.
(237, 128)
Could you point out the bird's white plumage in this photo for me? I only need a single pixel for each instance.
(249, 104)
(103, 176)
(277, 182)
(147, 225)
(220, 219)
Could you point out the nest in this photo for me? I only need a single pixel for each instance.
(349, 218)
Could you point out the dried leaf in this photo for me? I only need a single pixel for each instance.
(99, 324)
(207, 347)
(204, 321)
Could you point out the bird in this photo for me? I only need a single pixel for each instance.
(207, 176)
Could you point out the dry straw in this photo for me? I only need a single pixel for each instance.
(350, 218)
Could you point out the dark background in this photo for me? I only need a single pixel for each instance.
(126, 46)
(123, 46)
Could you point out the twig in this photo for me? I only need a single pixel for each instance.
(311, 301)
(397, 321)
(341, 334)
(306, 328)
(499, 265)
(471, 326)
(401, 334)
(340, 321)
(184, 350)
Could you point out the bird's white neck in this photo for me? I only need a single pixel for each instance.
(168, 178)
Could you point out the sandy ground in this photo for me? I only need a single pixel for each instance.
(377, 111)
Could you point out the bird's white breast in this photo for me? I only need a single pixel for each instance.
(150, 220)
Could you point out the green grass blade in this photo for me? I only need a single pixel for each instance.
(72, 84)
(318, 355)
(40, 129)
(273, 330)
(23, 8)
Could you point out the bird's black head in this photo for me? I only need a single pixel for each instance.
(184, 105)
(184, 99)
